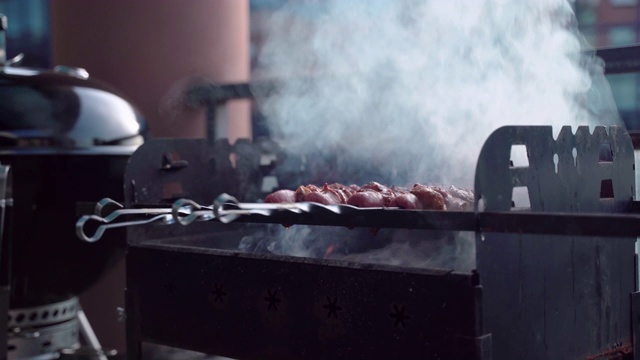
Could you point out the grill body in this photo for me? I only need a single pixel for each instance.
(250, 306)
(532, 296)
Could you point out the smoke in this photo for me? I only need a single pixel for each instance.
(413, 88)
(407, 91)
(398, 247)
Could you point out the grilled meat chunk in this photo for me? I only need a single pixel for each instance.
(462, 194)
(326, 196)
(428, 197)
(455, 198)
(303, 191)
(367, 199)
(374, 194)
(375, 187)
(406, 201)
(281, 196)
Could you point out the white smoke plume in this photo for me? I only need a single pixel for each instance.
(414, 87)
(411, 89)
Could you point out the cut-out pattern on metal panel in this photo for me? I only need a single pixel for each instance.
(583, 161)
(554, 297)
(332, 307)
(218, 294)
(400, 316)
(272, 299)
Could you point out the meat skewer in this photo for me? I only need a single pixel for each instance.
(281, 196)
(406, 201)
(428, 197)
(366, 199)
(326, 196)
(374, 194)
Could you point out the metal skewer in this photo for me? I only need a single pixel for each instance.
(194, 211)
(165, 216)
(103, 205)
(226, 209)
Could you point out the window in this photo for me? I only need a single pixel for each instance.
(28, 31)
(623, 2)
(624, 88)
(587, 16)
(621, 35)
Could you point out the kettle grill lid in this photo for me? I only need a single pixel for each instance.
(56, 109)
(62, 109)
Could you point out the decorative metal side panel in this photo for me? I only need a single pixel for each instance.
(554, 297)
(267, 307)
(163, 170)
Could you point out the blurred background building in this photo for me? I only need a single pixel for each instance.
(29, 30)
(614, 23)
(604, 23)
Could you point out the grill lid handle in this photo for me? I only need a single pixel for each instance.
(108, 221)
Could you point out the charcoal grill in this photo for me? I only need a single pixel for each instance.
(555, 280)
(188, 286)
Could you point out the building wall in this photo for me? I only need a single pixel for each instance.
(610, 23)
(151, 48)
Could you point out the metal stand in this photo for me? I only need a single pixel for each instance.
(88, 336)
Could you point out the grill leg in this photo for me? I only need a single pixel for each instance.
(134, 345)
(87, 334)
